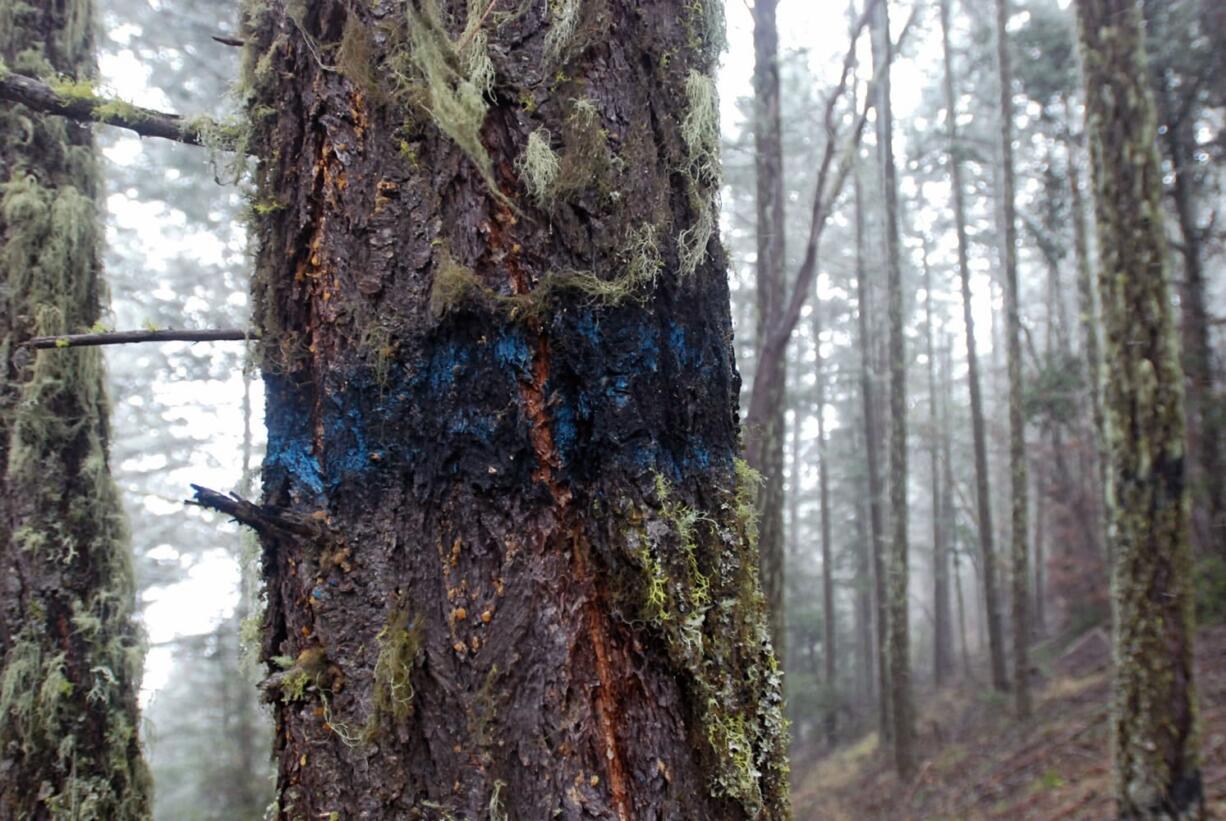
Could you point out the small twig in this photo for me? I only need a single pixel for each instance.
(127, 337)
(468, 35)
(146, 122)
(229, 41)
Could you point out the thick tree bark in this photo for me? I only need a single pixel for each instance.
(501, 396)
(942, 655)
(767, 457)
(1020, 483)
(69, 648)
(901, 710)
(983, 494)
(1153, 725)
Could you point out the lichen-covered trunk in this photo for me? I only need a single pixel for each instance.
(983, 494)
(901, 711)
(1153, 723)
(764, 436)
(69, 649)
(508, 547)
(1019, 483)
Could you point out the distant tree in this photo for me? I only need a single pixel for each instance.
(1020, 532)
(983, 496)
(69, 651)
(508, 546)
(1153, 725)
(770, 233)
(899, 654)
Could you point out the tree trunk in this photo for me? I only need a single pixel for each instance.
(509, 550)
(1204, 419)
(1020, 532)
(901, 711)
(69, 646)
(1154, 727)
(871, 441)
(950, 511)
(823, 479)
(942, 656)
(764, 446)
(996, 647)
(1087, 306)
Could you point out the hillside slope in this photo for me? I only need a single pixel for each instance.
(976, 763)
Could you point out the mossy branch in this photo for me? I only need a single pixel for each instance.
(79, 102)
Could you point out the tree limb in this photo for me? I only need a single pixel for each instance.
(90, 108)
(126, 337)
(258, 517)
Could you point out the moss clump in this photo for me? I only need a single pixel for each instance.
(454, 285)
(538, 167)
(400, 645)
(698, 585)
(563, 23)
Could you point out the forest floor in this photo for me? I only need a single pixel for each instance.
(975, 762)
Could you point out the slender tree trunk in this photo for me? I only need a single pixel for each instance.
(765, 446)
(1153, 724)
(949, 510)
(1087, 305)
(1040, 533)
(942, 655)
(901, 710)
(983, 494)
(866, 679)
(70, 657)
(823, 479)
(871, 455)
(1020, 532)
(508, 548)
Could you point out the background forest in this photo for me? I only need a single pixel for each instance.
(176, 256)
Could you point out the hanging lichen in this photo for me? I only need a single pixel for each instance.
(700, 132)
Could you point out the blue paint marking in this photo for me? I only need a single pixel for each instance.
(588, 328)
(512, 351)
(295, 457)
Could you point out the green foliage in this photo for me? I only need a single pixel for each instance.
(1051, 394)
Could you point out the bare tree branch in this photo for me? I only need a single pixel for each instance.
(258, 517)
(127, 337)
(90, 108)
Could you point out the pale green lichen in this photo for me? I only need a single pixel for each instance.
(457, 76)
(700, 133)
(538, 167)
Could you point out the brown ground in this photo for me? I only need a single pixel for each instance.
(976, 763)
